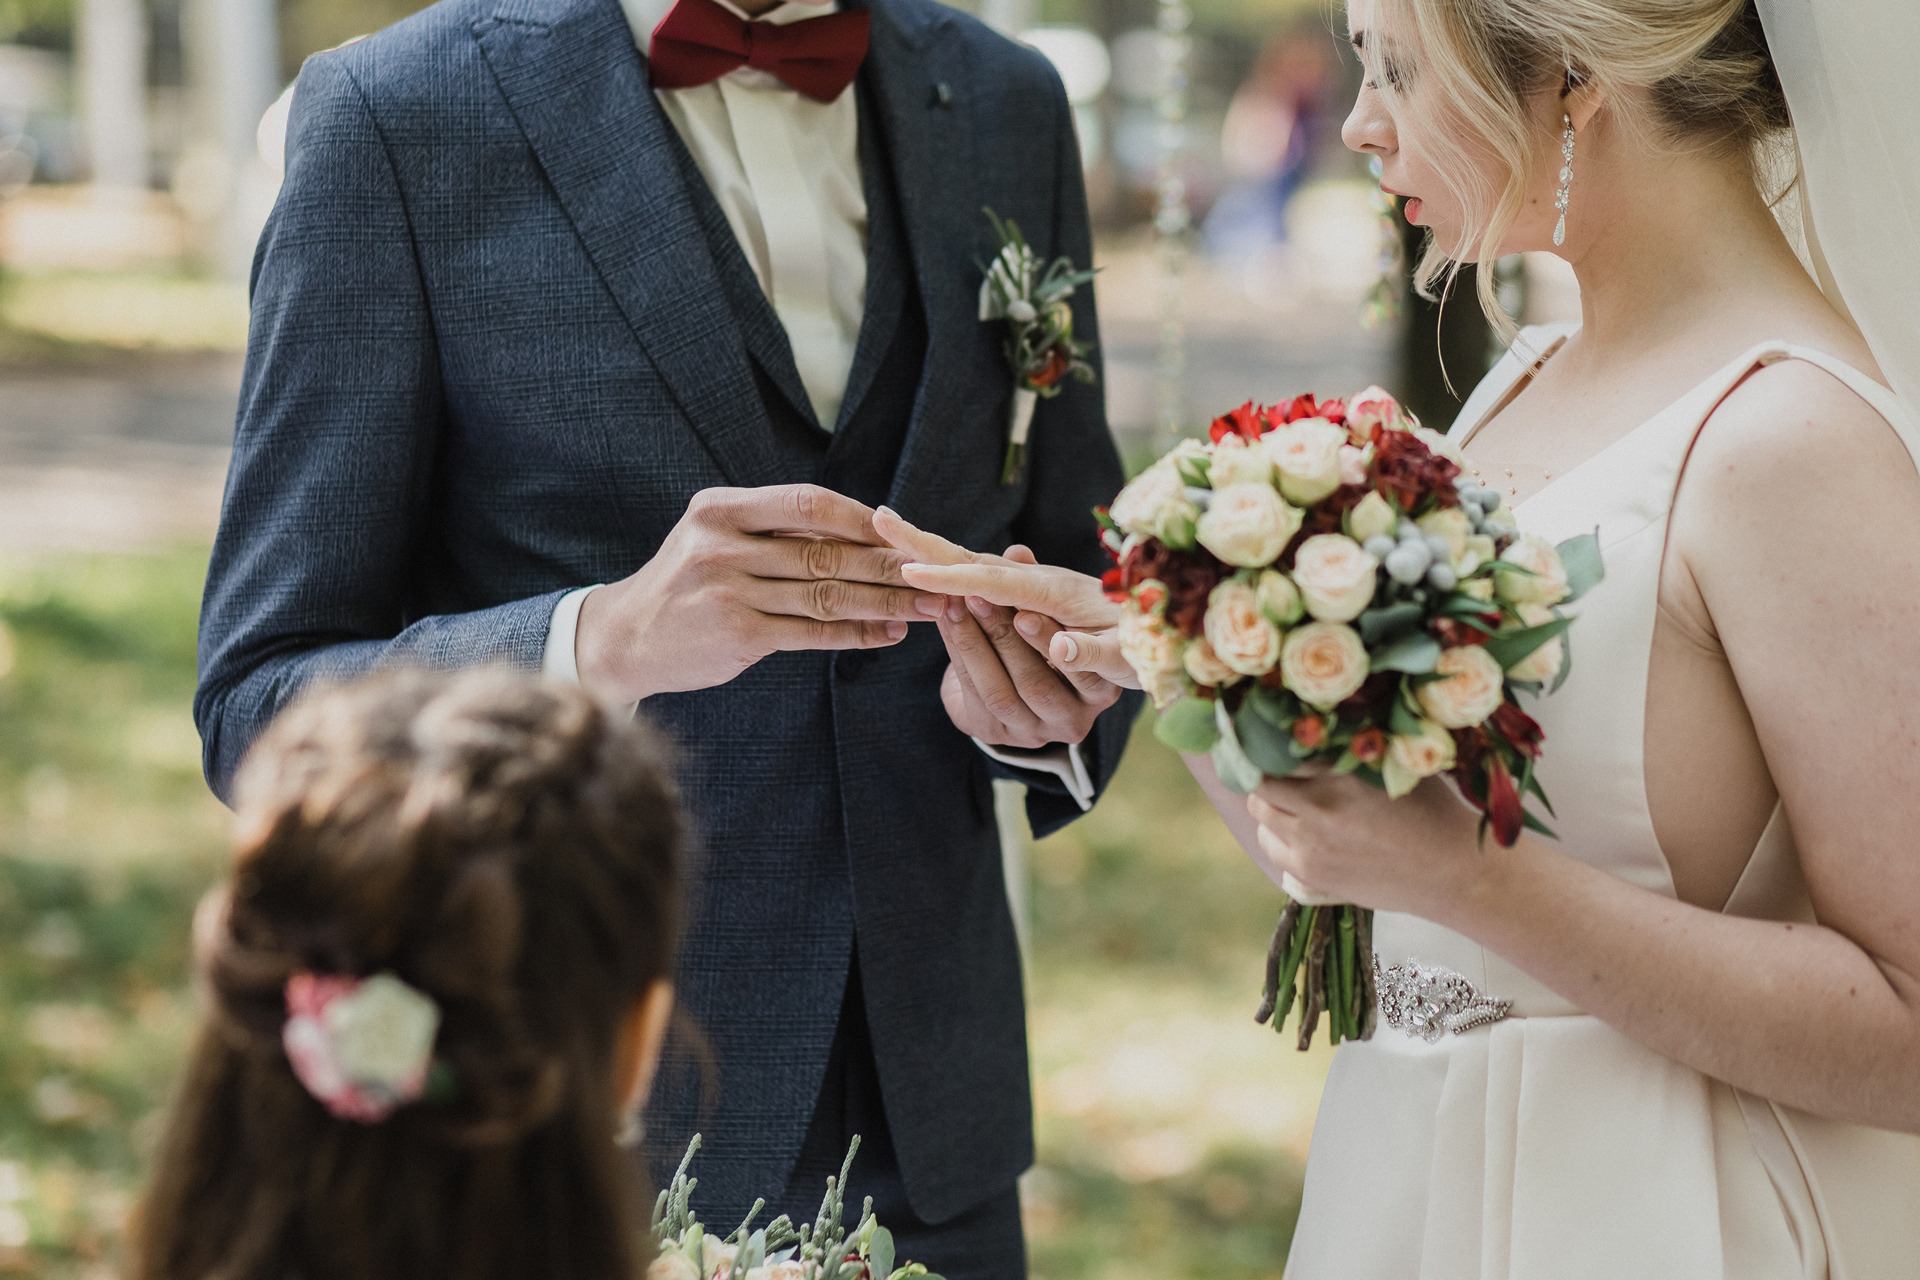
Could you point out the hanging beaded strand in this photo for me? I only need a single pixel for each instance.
(1564, 196)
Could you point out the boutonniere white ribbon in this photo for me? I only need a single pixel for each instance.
(1040, 345)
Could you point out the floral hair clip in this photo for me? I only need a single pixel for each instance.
(362, 1046)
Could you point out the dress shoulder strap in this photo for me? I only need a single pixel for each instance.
(1883, 401)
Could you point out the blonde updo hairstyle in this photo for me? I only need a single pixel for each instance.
(1700, 67)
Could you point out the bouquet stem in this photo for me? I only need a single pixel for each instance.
(1322, 958)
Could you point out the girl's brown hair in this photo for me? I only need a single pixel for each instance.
(504, 846)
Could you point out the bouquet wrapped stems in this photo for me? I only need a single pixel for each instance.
(1322, 957)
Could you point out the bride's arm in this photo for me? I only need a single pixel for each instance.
(1804, 538)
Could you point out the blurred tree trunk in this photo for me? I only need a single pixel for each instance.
(113, 92)
(1440, 344)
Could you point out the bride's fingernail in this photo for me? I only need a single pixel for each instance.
(932, 606)
(981, 609)
(1027, 624)
(1069, 648)
(888, 511)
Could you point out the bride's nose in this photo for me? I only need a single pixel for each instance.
(1369, 128)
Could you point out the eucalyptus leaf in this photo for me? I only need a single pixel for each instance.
(1509, 647)
(1415, 654)
(1566, 664)
(1187, 726)
(1584, 565)
(1403, 721)
(1377, 625)
(1277, 708)
(880, 1252)
(1237, 773)
(1268, 746)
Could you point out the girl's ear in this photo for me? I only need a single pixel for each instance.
(1581, 99)
(643, 1032)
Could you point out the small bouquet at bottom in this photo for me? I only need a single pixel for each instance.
(1324, 581)
(822, 1250)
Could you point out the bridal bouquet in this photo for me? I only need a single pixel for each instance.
(1323, 581)
(822, 1250)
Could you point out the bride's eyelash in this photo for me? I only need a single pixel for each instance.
(1389, 71)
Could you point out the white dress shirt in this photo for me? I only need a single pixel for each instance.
(762, 145)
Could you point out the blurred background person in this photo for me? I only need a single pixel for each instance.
(1271, 139)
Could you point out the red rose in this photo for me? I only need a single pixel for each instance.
(1243, 422)
(1190, 577)
(1058, 362)
(1368, 745)
(1310, 731)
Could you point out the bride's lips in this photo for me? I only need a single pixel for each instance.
(1410, 205)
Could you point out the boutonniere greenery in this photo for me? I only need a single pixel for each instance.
(1034, 301)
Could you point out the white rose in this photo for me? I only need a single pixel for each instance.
(1279, 597)
(1437, 443)
(1371, 408)
(1307, 454)
(1373, 516)
(1479, 550)
(383, 1033)
(1411, 757)
(1472, 691)
(1235, 462)
(1238, 630)
(1156, 505)
(673, 1266)
(1247, 525)
(1545, 581)
(1544, 663)
(1325, 663)
(1450, 523)
(1204, 665)
(1354, 464)
(1153, 651)
(1335, 576)
(716, 1256)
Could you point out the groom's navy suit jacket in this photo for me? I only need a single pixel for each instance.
(501, 335)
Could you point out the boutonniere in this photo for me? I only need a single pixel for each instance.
(1040, 345)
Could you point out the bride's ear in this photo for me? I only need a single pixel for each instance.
(1581, 99)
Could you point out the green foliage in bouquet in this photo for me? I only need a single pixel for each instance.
(821, 1250)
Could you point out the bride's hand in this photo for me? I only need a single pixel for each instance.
(1063, 614)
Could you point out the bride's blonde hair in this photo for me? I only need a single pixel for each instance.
(1703, 67)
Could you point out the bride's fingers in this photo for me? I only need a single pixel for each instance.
(1070, 598)
(1096, 652)
(1020, 553)
(1038, 630)
(929, 548)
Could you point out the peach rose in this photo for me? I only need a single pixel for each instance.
(1153, 651)
(1371, 408)
(1411, 757)
(1204, 665)
(1544, 663)
(1307, 454)
(716, 1256)
(1472, 691)
(1156, 505)
(1336, 577)
(1440, 445)
(1237, 462)
(1247, 525)
(1238, 630)
(1325, 663)
(791, 1269)
(674, 1265)
(1545, 581)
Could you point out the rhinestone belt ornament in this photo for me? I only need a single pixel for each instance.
(1428, 1001)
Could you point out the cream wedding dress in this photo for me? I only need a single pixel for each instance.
(1548, 1146)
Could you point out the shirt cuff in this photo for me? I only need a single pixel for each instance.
(558, 662)
(1063, 761)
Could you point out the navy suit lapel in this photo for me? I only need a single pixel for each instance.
(930, 144)
(578, 88)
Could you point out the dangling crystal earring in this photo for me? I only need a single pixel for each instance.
(1564, 196)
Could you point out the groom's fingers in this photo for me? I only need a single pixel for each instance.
(985, 677)
(780, 634)
(1039, 687)
(815, 560)
(832, 600)
(804, 509)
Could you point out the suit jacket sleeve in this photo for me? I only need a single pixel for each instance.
(324, 533)
(1073, 467)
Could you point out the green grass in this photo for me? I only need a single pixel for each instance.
(1171, 1128)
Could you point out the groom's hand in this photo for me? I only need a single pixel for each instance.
(999, 689)
(746, 573)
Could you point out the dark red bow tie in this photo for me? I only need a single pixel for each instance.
(698, 42)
